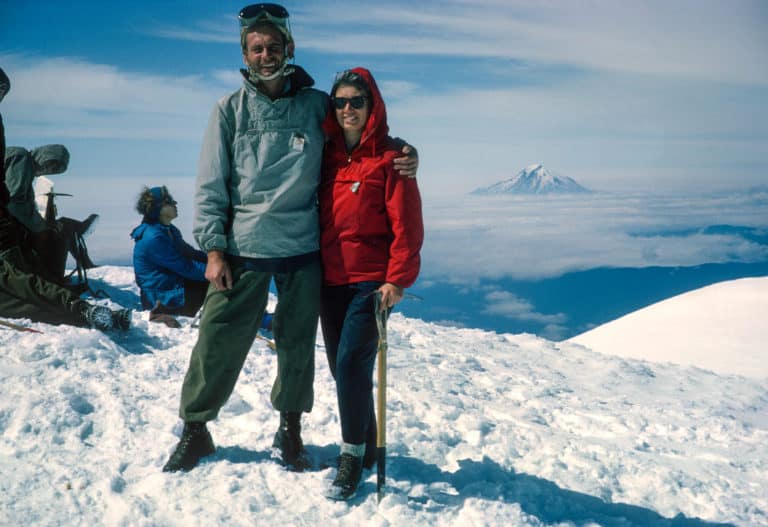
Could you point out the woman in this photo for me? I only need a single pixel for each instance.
(371, 235)
(169, 272)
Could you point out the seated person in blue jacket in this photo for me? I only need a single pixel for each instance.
(169, 272)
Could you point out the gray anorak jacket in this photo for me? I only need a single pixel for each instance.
(259, 171)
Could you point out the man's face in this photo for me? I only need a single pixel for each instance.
(264, 50)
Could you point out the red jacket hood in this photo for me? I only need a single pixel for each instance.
(374, 137)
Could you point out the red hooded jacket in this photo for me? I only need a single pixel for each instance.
(371, 227)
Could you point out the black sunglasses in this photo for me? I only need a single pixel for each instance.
(356, 102)
(169, 201)
(254, 10)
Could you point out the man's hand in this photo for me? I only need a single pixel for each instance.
(217, 271)
(407, 165)
(391, 294)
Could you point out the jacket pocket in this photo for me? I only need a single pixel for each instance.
(371, 209)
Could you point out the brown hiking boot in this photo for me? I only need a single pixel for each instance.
(160, 315)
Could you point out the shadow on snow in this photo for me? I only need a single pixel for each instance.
(485, 480)
(537, 497)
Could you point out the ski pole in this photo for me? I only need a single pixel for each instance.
(381, 397)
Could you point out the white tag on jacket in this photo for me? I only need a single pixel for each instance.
(355, 186)
(298, 143)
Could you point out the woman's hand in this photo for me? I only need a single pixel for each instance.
(391, 294)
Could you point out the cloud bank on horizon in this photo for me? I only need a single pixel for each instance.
(520, 237)
(541, 237)
(618, 95)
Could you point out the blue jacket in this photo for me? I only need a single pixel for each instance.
(161, 262)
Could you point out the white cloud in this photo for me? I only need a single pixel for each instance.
(398, 89)
(67, 97)
(697, 39)
(220, 29)
(532, 238)
(703, 39)
(229, 77)
(509, 305)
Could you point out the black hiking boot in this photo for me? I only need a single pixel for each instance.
(347, 478)
(121, 319)
(195, 443)
(101, 317)
(371, 454)
(288, 441)
(98, 317)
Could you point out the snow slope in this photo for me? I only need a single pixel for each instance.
(483, 429)
(722, 327)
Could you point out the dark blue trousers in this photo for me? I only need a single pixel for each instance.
(349, 329)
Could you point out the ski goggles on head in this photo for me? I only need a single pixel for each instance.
(356, 102)
(273, 13)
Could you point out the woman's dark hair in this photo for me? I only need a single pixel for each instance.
(350, 78)
(151, 201)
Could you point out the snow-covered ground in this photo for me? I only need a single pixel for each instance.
(722, 327)
(483, 429)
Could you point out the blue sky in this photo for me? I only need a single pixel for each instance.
(620, 95)
(661, 104)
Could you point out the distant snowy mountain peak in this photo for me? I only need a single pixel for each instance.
(534, 179)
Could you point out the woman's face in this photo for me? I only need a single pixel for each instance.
(351, 119)
(168, 212)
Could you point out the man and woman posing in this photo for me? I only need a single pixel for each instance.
(257, 219)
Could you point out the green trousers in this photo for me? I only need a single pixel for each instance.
(27, 295)
(228, 328)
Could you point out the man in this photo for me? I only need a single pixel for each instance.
(257, 219)
(26, 293)
(45, 241)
